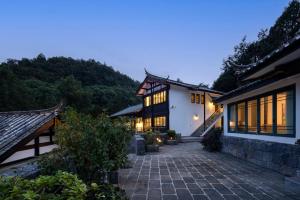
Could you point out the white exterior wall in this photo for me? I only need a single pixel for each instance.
(20, 155)
(182, 111)
(277, 85)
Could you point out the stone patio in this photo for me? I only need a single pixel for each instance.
(186, 172)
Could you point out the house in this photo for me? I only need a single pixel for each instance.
(26, 134)
(262, 117)
(168, 104)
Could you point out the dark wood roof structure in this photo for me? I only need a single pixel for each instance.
(290, 47)
(131, 110)
(278, 70)
(19, 126)
(153, 78)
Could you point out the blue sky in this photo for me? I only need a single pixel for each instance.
(184, 39)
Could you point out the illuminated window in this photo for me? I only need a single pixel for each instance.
(147, 101)
(252, 116)
(266, 114)
(160, 121)
(285, 112)
(197, 98)
(241, 121)
(139, 124)
(202, 99)
(231, 117)
(147, 124)
(159, 97)
(193, 98)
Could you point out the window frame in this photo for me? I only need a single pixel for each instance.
(272, 93)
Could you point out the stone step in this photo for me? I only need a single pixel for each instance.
(292, 184)
(190, 139)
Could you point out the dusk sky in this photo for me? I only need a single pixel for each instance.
(184, 39)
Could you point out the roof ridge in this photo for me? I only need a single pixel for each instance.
(39, 111)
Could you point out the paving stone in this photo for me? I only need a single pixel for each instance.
(154, 184)
(166, 179)
(154, 194)
(184, 194)
(170, 197)
(222, 189)
(179, 184)
(188, 180)
(167, 188)
(139, 197)
(243, 194)
(200, 197)
(213, 194)
(217, 176)
(164, 172)
(204, 184)
(231, 197)
(154, 176)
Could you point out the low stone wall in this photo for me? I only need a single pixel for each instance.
(283, 158)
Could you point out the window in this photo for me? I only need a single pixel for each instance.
(147, 124)
(241, 114)
(147, 101)
(232, 117)
(193, 98)
(202, 99)
(269, 114)
(139, 124)
(266, 114)
(159, 97)
(252, 116)
(197, 98)
(160, 121)
(285, 112)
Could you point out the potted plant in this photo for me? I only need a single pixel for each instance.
(171, 137)
(152, 142)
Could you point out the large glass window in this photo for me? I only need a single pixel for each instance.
(159, 97)
(285, 112)
(160, 121)
(271, 114)
(241, 126)
(147, 101)
(252, 116)
(147, 124)
(232, 117)
(266, 114)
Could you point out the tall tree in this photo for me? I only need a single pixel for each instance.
(246, 53)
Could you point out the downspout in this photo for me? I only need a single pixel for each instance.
(204, 112)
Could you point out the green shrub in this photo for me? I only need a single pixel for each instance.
(211, 141)
(171, 134)
(58, 187)
(89, 147)
(151, 138)
(61, 186)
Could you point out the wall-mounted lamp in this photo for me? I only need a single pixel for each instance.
(195, 117)
(172, 107)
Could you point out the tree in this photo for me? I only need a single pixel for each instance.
(246, 53)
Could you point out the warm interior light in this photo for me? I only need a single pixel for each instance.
(158, 140)
(196, 117)
(231, 123)
(211, 105)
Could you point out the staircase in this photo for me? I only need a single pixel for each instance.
(209, 124)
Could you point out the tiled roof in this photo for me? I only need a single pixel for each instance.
(273, 56)
(17, 125)
(179, 83)
(129, 110)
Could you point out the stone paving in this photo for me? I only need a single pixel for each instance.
(186, 172)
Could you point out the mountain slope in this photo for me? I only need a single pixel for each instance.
(87, 85)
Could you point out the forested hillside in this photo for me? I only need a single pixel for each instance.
(87, 85)
(246, 53)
